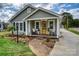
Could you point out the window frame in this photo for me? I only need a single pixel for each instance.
(21, 26)
(36, 25)
(49, 24)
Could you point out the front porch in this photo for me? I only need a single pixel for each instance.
(46, 28)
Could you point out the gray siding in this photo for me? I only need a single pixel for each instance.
(41, 14)
(22, 15)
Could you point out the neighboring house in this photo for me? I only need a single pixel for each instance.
(36, 21)
(1, 26)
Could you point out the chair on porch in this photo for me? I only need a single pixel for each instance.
(35, 31)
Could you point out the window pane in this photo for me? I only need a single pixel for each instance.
(37, 25)
(51, 25)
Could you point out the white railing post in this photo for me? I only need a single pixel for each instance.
(58, 28)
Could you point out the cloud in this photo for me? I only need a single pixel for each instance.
(68, 6)
(74, 12)
(44, 5)
(62, 5)
(7, 11)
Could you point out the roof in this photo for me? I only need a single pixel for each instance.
(19, 12)
(36, 9)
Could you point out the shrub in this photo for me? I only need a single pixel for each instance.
(10, 27)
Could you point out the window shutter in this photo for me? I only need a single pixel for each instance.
(24, 26)
(14, 26)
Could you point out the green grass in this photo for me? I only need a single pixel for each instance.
(74, 31)
(9, 47)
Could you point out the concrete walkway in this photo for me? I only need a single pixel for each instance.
(68, 45)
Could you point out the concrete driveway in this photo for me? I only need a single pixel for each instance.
(68, 45)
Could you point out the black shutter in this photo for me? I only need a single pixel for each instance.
(24, 26)
(14, 26)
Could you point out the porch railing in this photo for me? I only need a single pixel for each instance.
(39, 32)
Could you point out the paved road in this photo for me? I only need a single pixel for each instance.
(68, 45)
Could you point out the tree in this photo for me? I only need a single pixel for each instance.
(76, 23)
(67, 19)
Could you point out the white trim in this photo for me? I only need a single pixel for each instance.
(46, 18)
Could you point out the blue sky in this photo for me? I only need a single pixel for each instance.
(67, 6)
(7, 10)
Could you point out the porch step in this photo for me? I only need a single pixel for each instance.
(44, 36)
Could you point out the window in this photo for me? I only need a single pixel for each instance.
(28, 10)
(37, 25)
(16, 27)
(21, 26)
(51, 24)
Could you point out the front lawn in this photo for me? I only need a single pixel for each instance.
(9, 47)
(74, 31)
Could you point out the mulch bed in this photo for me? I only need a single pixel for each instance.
(41, 47)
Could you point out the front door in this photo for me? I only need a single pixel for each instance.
(44, 28)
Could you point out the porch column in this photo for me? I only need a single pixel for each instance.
(26, 32)
(29, 28)
(58, 28)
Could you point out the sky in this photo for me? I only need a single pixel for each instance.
(7, 10)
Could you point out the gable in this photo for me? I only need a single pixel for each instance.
(23, 14)
(41, 14)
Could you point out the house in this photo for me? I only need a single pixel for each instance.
(1, 26)
(34, 21)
